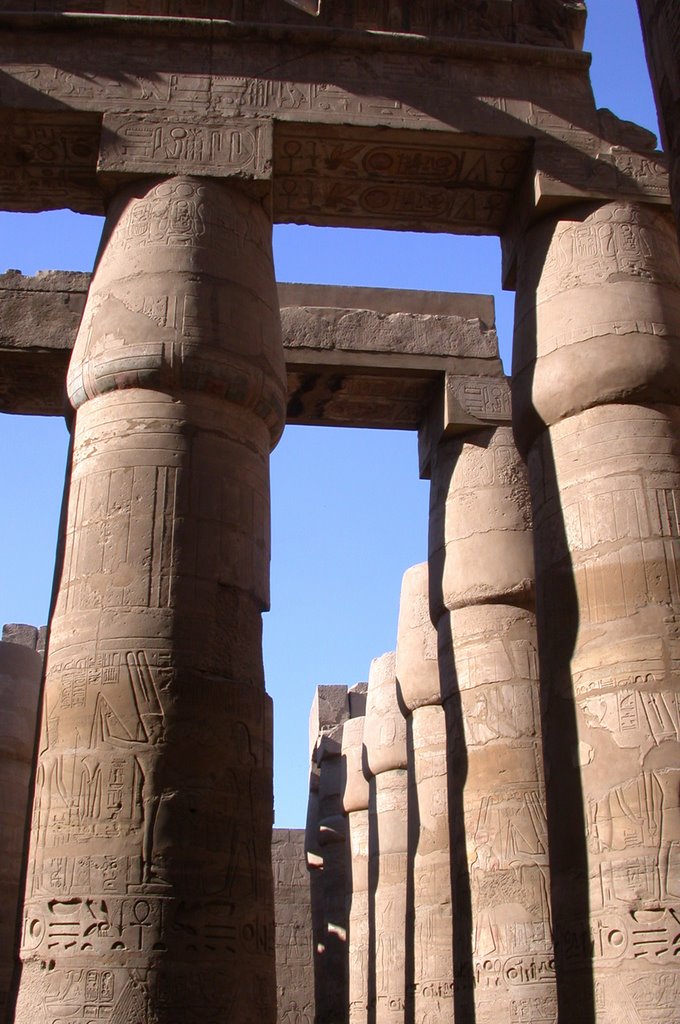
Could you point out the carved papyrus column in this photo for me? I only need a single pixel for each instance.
(326, 850)
(149, 896)
(481, 571)
(429, 967)
(20, 672)
(386, 762)
(355, 802)
(596, 388)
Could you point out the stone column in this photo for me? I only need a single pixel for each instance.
(355, 803)
(149, 896)
(430, 972)
(385, 766)
(333, 847)
(294, 940)
(326, 851)
(661, 30)
(20, 673)
(596, 387)
(481, 568)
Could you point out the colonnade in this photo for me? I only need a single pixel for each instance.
(541, 706)
(520, 749)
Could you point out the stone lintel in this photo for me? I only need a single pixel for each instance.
(358, 357)
(626, 165)
(141, 144)
(370, 129)
(465, 404)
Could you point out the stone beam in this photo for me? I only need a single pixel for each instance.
(360, 357)
(365, 129)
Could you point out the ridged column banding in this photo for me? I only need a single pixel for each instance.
(149, 895)
(482, 587)
(429, 967)
(385, 766)
(355, 804)
(597, 387)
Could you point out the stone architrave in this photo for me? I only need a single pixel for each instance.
(386, 770)
(20, 674)
(430, 970)
(596, 393)
(482, 584)
(149, 895)
(355, 803)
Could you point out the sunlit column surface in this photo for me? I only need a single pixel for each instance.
(482, 586)
(595, 390)
(149, 895)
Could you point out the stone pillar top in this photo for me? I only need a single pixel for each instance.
(417, 666)
(330, 708)
(355, 796)
(385, 725)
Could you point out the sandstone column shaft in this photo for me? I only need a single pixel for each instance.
(429, 966)
(20, 672)
(386, 763)
(355, 802)
(149, 895)
(481, 567)
(596, 385)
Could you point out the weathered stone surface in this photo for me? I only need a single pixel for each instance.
(355, 801)
(20, 674)
(20, 633)
(294, 942)
(429, 962)
(352, 357)
(384, 728)
(598, 314)
(327, 851)
(347, 113)
(432, 970)
(150, 890)
(149, 144)
(480, 523)
(551, 23)
(385, 767)
(481, 592)
(416, 664)
(604, 475)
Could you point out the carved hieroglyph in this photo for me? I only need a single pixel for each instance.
(326, 850)
(149, 895)
(481, 596)
(385, 766)
(20, 672)
(597, 330)
(429, 967)
(355, 802)
(294, 954)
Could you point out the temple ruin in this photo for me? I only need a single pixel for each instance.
(493, 833)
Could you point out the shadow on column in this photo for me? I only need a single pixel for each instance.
(413, 833)
(457, 769)
(373, 876)
(557, 617)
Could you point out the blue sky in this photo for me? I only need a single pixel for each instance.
(349, 513)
